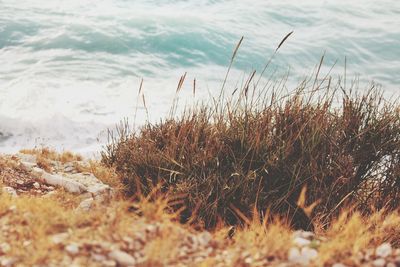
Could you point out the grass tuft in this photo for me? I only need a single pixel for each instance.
(256, 150)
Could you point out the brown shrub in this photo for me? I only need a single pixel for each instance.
(247, 154)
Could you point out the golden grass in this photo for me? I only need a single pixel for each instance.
(47, 153)
(34, 221)
(352, 234)
(44, 163)
(28, 225)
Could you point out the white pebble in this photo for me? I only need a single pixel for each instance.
(309, 253)
(122, 258)
(59, 238)
(9, 190)
(301, 242)
(379, 262)
(72, 249)
(296, 257)
(5, 247)
(384, 250)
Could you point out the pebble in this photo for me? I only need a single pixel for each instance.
(4, 248)
(36, 185)
(384, 250)
(59, 238)
(122, 258)
(69, 167)
(12, 208)
(302, 257)
(28, 166)
(108, 263)
(304, 234)
(295, 257)
(391, 264)
(11, 191)
(49, 194)
(72, 249)
(98, 257)
(309, 253)
(379, 262)
(8, 262)
(301, 242)
(86, 204)
(339, 265)
(204, 239)
(69, 185)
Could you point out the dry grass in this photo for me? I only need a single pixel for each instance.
(353, 233)
(49, 154)
(29, 225)
(44, 163)
(253, 150)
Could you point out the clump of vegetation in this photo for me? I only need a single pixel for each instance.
(226, 162)
(255, 150)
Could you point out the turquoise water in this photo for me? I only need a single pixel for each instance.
(71, 68)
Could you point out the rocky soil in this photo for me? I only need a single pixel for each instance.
(149, 242)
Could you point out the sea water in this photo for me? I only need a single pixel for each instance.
(71, 69)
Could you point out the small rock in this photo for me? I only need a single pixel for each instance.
(151, 228)
(8, 262)
(296, 257)
(379, 262)
(204, 239)
(86, 204)
(301, 242)
(36, 185)
(37, 171)
(28, 166)
(59, 238)
(122, 258)
(247, 260)
(20, 182)
(68, 184)
(309, 253)
(72, 249)
(98, 257)
(12, 208)
(26, 243)
(384, 250)
(391, 264)
(108, 263)
(49, 194)
(4, 248)
(11, 191)
(339, 265)
(69, 168)
(304, 234)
